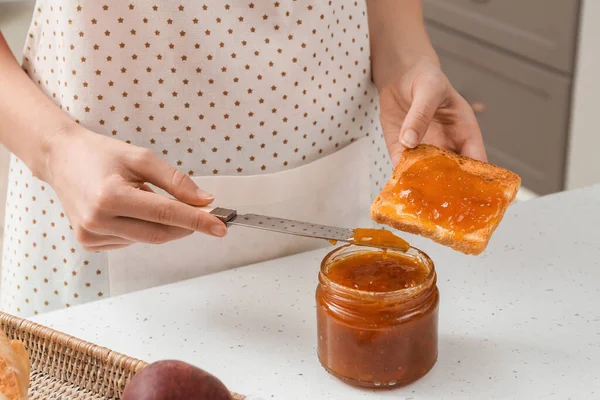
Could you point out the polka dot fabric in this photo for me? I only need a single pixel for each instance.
(215, 88)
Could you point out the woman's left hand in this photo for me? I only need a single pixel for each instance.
(421, 106)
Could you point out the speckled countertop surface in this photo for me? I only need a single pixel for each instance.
(521, 321)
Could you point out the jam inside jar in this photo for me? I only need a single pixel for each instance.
(377, 316)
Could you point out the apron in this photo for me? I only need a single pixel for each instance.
(334, 190)
(270, 106)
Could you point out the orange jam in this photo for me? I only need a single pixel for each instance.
(439, 192)
(377, 314)
(378, 272)
(378, 238)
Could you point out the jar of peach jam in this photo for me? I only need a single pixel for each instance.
(377, 315)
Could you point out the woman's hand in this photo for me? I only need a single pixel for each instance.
(421, 106)
(101, 183)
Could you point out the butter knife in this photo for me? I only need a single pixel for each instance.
(360, 236)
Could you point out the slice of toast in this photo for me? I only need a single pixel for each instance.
(451, 199)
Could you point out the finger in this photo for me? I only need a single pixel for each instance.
(139, 231)
(428, 95)
(395, 150)
(394, 147)
(391, 117)
(155, 208)
(97, 249)
(91, 239)
(472, 144)
(173, 181)
(146, 188)
(474, 149)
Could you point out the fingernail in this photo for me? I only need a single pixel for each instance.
(204, 195)
(410, 139)
(218, 230)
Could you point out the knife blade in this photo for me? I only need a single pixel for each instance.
(282, 225)
(365, 237)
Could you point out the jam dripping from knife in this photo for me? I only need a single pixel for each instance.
(376, 238)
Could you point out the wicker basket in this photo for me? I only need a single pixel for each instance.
(67, 368)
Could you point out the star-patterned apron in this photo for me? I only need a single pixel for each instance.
(268, 105)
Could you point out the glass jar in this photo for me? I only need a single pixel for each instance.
(377, 338)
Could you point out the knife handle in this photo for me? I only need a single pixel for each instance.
(224, 214)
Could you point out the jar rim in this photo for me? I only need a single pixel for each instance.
(389, 295)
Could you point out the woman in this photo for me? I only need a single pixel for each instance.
(128, 115)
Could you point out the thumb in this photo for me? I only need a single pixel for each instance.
(427, 98)
(178, 184)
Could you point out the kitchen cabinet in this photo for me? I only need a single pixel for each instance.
(513, 60)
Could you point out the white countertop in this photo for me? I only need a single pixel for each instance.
(521, 321)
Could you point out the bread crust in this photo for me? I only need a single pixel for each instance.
(473, 243)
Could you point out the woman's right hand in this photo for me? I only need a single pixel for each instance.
(102, 185)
